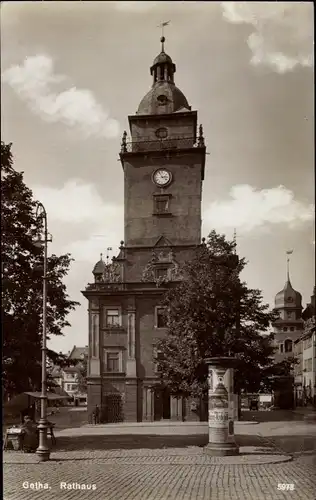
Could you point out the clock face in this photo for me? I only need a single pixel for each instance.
(162, 177)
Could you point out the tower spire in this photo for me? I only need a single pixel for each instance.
(288, 253)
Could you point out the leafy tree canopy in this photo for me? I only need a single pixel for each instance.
(213, 313)
(82, 375)
(22, 285)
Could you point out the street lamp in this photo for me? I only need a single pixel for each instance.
(43, 450)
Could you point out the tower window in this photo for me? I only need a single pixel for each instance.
(161, 321)
(113, 361)
(161, 204)
(112, 318)
(162, 100)
(161, 272)
(285, 329)
(281, 346)
(157, 355)
(161, 133)
(288, 345)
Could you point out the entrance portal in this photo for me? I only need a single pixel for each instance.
(161, 404)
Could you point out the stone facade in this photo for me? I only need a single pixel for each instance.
(163, 166)
(305, 351)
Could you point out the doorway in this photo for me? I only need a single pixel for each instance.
(162, 404)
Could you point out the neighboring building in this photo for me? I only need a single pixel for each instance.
(305, 350)
(309, 311)
(67, 377)
(287, 329)
(298, 373)
(163, 167)
(78, 353)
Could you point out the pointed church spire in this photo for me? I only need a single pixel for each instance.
(288, 253)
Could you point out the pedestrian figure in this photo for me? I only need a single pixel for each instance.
(29, 435)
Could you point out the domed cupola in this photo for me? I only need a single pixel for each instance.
(99, 269)
(164, 97)
(288, 297)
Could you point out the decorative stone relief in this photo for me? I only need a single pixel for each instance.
(166, 256)
(112, 273)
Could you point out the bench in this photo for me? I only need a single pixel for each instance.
(14, 437)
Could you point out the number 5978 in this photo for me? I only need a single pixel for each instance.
(286, 486)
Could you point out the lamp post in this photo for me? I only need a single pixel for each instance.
(43, 450)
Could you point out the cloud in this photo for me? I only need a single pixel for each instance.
(33, 81)
(80, 221)
(248, 209)
(135, 6)
(283, 33)
(76, 202)
(88, 250)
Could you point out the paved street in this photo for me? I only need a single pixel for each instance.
(159, 480)
(117, 462)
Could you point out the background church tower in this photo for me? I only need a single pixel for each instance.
(289, 326)
(287, 329)
(163, 163)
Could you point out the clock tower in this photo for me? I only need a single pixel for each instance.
(163, 163)
(287, 329)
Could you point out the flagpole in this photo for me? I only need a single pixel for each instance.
(162, 26)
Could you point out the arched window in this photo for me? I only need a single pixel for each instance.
(288, 345)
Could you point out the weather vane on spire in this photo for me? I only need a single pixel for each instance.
(162, 26)
(288, 253)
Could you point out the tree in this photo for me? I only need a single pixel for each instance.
(22, 285)
(213, 313)
(82, 366)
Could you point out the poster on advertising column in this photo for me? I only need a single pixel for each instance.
(229, 383)
(218, 404)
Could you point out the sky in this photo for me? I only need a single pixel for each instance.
(72, 72)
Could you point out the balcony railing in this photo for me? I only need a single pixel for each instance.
(104, 287)
(172, 143)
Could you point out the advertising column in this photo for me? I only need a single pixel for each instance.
(221, 408)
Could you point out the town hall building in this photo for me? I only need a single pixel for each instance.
(163, 163)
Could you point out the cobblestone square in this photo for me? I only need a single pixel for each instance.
(142, 467)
